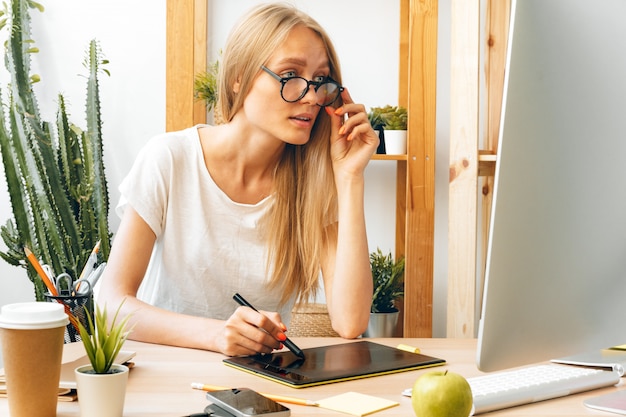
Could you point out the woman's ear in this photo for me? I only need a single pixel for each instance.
(237, 86)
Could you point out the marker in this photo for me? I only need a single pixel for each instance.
(277, 398)
(287, 342)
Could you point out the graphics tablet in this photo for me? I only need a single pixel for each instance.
(335, 363)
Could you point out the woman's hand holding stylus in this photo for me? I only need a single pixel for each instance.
(248, 332)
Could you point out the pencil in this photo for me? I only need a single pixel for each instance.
(46, 280)
(277, 398)
(42, 274)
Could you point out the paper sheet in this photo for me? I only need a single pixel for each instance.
(356, 404)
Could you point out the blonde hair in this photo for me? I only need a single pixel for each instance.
(305, 198)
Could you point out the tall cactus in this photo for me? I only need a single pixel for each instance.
(57, 185)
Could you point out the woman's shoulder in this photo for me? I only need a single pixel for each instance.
(175, 144)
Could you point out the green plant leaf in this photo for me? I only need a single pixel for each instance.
(103, 343)
(388, 280)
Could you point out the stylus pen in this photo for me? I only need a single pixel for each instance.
(290, 345)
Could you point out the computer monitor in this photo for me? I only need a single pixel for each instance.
(555, 278)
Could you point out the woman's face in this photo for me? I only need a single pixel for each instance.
(302, 54)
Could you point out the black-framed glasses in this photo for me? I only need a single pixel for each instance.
(292, 89)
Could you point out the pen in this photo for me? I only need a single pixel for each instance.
(277, 398)
(91, 261)
(287, 342)
(92, 278)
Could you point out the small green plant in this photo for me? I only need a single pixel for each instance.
(388, 279)
(393, 117)
(375, 118)
(101, 343)
(205, 85)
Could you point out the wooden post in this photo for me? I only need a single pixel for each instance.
(185, 55)
(498, 15)
(464, 113)
(420, 202)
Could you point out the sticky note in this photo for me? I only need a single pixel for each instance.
(356, 404)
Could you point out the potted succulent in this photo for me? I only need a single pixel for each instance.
(377, 122)
(388, 278)
(395, 124)
(101, 385)
(54, 170)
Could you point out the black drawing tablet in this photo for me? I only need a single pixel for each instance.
(335, 363)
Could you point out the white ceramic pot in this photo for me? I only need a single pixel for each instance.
(382, 324)
(395, 142)
(101, 395)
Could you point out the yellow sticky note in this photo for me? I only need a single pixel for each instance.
(356, 404)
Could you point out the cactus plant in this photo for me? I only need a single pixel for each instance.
(56, 182)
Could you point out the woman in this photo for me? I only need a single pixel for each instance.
(258, 205)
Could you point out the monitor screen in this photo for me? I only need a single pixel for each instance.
(555, 279)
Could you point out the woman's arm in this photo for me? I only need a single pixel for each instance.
(245, 332)
(346, 266)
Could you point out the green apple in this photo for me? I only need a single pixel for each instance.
(441, 394)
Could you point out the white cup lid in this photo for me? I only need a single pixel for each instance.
(33, 315)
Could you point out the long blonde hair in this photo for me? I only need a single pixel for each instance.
(305, 198)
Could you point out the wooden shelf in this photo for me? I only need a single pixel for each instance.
(382, 157)
(486, 163)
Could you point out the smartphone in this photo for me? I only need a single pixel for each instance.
(244, 402)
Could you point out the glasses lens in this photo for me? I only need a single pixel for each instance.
(327, 93)
(294, 88)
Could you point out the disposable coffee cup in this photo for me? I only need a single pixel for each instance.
(32, 348)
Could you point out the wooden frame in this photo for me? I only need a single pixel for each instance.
(186, 56)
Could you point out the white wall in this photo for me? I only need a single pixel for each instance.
(132, 37)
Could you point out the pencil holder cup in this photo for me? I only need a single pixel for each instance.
(79, 306)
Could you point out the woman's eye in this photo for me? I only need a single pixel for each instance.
(320, 78)
(289, 74)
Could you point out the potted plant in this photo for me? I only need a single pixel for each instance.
(56, 181)
(395, 124)
(377, 122)
(205, 88)
(101, 385)
(388, 278)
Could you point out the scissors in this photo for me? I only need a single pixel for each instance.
(64, 283)
(66, 286)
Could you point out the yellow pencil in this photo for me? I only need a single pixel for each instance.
(44, 277)
(278, 398)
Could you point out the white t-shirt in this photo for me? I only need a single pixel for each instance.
(208, 247)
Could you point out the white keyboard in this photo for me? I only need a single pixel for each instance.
(505, 389)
